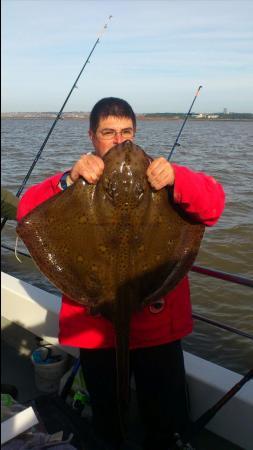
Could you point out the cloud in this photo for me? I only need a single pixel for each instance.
(147, 43)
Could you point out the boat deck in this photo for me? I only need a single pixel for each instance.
(17, 369)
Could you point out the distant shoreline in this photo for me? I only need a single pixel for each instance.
(140, 117)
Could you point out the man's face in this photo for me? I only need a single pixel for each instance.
(111, 131)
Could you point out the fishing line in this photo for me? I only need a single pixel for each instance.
(183, 124)
(57, 117)
(16, 250)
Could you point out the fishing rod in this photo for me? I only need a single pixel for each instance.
(57, 118)
(197, 426)
(183, 124)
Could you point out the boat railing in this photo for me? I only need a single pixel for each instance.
(223, 275)
(226, 277)
(204, 271)
(221, 325)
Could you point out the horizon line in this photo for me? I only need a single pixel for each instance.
(137, 113)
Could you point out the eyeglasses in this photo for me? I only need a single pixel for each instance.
(108, 133)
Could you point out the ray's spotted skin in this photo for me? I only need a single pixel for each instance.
(121, 244)
(113, 233)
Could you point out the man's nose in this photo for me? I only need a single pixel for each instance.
(118, 138)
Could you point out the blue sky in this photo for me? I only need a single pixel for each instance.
(154, 54)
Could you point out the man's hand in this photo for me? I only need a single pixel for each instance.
(160, 173)
(90, 167)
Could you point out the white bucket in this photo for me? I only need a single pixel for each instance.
(48, 374)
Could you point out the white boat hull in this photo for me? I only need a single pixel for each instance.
(37, 311)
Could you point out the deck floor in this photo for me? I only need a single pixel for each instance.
(17, 369)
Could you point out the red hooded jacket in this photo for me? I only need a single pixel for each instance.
(198, 194)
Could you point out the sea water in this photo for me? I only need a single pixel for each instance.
(223, 149)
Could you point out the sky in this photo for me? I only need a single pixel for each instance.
(153, 53)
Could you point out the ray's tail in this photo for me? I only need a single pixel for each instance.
(122, 326)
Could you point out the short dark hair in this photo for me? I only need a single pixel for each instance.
(110, 106)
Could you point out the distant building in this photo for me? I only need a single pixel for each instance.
(225, 111)
(199, 116)
(205, 116)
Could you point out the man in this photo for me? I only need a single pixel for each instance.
(9, 204)
(156, 357)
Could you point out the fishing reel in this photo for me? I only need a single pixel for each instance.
(180, 444)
